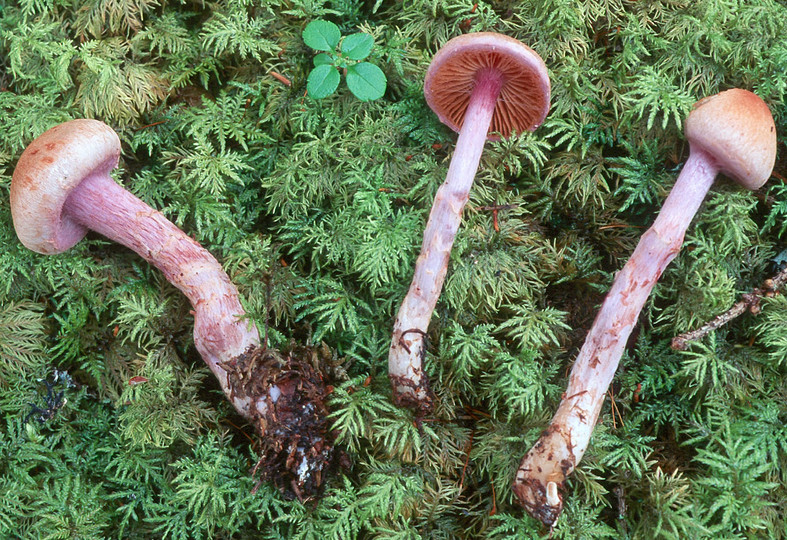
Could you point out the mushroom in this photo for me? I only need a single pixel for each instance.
(484, 86)
(732, 132)
(61, 188)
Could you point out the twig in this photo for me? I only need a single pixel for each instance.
(749, 302)
(281, 78)
(620, 493)
(495, 208)
(151, 125)
(467, 459)
(615, 410)
(230, 422)
(493, 511)
(619, 226)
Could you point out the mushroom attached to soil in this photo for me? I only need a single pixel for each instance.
(61, 188)
(733, 133)
(484, 86)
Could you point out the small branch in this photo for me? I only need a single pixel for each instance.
(467, 459)
(749, 302)
(151, 125)
(495, 208)
(619, 226)
(281, 78)
(493, 511)
(615, 409)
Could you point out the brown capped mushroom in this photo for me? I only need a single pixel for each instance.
(61, 188)
(485, 86)
(731, 132)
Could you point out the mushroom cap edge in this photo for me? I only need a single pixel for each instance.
(736, 128)
(47, 171)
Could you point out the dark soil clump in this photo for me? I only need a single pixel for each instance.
(296, 446)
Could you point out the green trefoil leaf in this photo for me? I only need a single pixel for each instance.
(357, 46)
(366, 81)
(321, 35)
(323, 59)
(322, 81)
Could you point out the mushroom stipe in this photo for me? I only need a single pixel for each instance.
(485, 86)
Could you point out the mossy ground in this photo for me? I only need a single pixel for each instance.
(315, 209)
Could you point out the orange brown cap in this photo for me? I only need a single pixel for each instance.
(736, 128)
(523, 102)
(46, 173)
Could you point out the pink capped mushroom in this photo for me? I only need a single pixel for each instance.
(484, 86)
(733, 133)
(61, 188)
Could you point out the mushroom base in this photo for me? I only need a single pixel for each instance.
(416, 396)
(296, 446)
(541, 477)
(533, 497)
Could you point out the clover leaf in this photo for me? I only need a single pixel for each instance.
(321, 35)
(322, 81)
(365, 80)
(357, 46)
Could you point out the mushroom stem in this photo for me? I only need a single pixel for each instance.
(543, 470)
(284, 398)
(220, 331)
(410, 384)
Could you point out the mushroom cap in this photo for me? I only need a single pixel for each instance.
(736, 128)
(46, 173)
(523, 102)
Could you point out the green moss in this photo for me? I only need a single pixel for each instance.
(316, 209)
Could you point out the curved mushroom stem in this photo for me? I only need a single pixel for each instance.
(405, 368)
(543, 470)
(283, 397)
(220, 331)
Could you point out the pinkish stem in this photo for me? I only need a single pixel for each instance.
(543, 470)
(283, 397)
(405, 369)
(221, 333)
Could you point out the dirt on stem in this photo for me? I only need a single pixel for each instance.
(296, 445)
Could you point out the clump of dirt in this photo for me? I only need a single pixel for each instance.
(296, 446)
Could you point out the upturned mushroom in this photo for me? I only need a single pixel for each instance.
(733, 133)
(484, 86)
(61, 188)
